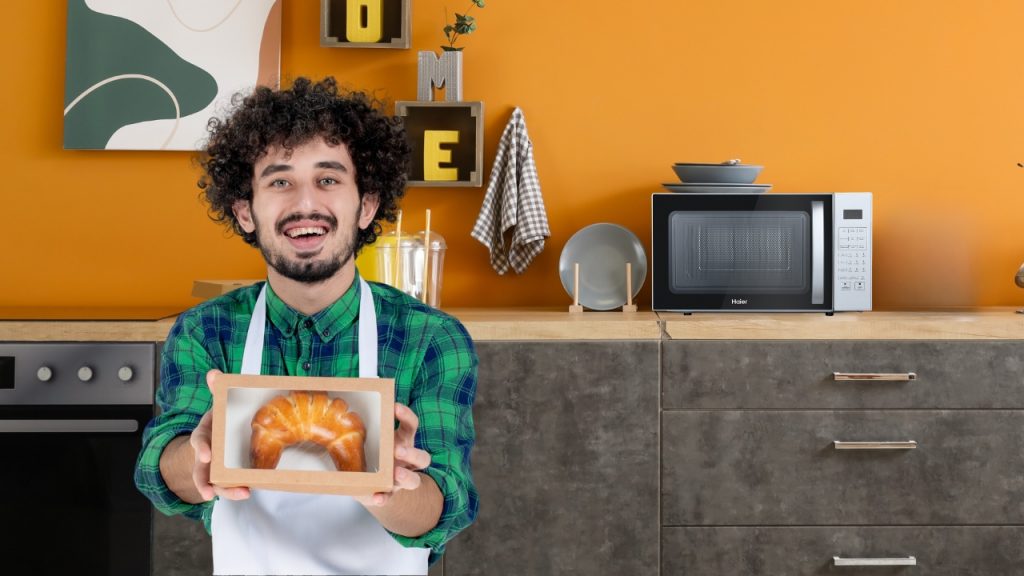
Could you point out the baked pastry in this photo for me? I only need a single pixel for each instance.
(308, 416)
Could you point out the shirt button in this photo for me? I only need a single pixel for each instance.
(327, 333)
(308, 323)
(306, 366)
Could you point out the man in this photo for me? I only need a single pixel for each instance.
(305, 175)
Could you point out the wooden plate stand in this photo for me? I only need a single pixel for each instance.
(576, 308)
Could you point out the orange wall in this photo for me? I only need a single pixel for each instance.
(920, 102)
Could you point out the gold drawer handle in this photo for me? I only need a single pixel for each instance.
(873, 376)
(840, 561)
(906, 445)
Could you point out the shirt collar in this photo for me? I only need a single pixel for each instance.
(327, 323)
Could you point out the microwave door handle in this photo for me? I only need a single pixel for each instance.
(817, 252)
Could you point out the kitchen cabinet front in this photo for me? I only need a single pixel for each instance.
(753, 481)
(566, 460)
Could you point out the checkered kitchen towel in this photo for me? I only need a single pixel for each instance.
(513, 202)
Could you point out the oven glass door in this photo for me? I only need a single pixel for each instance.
(742, 252)
(67, 491)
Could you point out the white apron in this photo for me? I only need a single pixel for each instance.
(286, 533)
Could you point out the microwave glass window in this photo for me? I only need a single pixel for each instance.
(739, 251)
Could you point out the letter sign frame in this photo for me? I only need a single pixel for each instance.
(467, 156)
(394, 23)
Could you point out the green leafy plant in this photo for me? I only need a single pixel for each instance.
(464, 24)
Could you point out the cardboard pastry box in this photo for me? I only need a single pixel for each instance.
(305, 466)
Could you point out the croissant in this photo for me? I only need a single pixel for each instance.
(312, 416)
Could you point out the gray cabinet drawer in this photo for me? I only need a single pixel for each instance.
(779, 467)
(938, 550)
(798, 374)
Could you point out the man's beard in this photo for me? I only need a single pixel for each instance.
(309, 271)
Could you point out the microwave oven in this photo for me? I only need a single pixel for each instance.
(761, 252)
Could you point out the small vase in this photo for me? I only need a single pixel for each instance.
(444, 72)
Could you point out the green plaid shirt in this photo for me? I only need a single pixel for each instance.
(428, 353)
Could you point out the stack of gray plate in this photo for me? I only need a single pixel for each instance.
(726, 178)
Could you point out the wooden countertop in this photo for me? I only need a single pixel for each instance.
(88, 331)
(482, 323)
(979, 324)
(490, 324)
(557, 324)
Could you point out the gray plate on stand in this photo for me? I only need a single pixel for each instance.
(602, 251)
(712, 188)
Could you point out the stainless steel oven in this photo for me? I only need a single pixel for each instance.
(71, 421)
(761, 252)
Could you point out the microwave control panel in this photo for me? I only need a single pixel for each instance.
(852, 262)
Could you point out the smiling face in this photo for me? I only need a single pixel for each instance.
(306, 210)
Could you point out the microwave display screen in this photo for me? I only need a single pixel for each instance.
(853, 214)
(748, 251)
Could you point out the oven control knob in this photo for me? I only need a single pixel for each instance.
(125, 373)
(85, 373)
(44, 373)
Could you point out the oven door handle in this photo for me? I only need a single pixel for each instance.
(817, 252)
(67, 426)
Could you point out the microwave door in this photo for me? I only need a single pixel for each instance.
(742, 252)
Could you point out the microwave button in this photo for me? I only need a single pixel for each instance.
(844, 285)
(858, 286)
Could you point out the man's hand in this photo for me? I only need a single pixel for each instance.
(200, 441)
(408, 458)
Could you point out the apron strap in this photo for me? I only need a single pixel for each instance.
(367, 332)
(252, 357)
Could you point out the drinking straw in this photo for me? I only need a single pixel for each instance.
(426, 256)
(398, 251)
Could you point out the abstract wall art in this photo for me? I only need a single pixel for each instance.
(149, 74)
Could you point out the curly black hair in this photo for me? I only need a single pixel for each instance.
(291, 117)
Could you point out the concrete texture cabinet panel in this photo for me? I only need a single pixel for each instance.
(181, 547)
(566, 460)
(791, 374)
(803, 551)
(779, 467)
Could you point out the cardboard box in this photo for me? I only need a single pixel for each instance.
(303, 467)
(206, 289)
